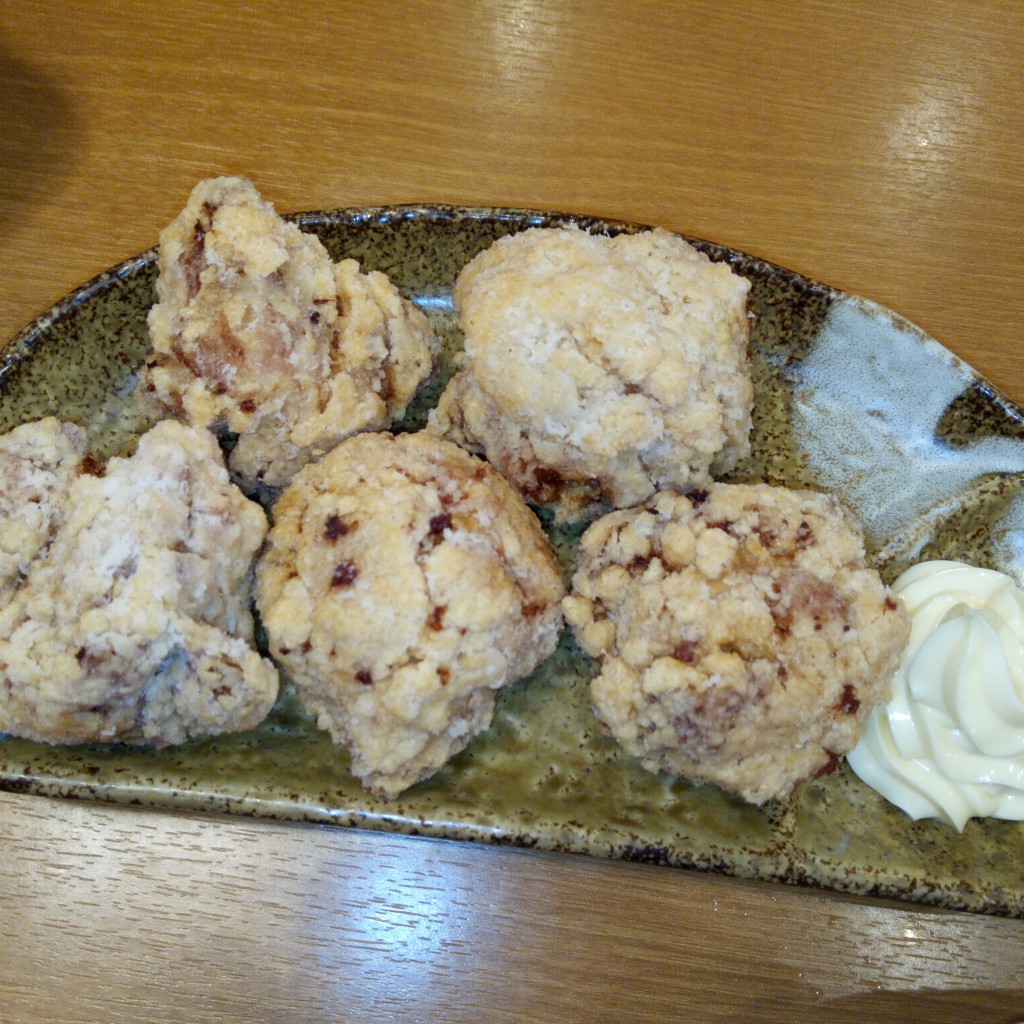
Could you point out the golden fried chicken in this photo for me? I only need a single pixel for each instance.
(599, 369)
(742, 640)
(404, 583)
(257, 332)
(38, 462)
(134, 625)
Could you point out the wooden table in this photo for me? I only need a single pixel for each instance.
(873, 146)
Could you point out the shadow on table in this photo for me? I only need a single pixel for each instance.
(39, 135)
(979, 1006)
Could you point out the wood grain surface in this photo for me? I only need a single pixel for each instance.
(876, 146)
(134, 915)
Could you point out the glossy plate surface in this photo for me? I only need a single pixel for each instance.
(849, 398)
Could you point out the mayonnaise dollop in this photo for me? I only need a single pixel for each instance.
(950, 742)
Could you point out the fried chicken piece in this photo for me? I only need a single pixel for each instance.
(404, 583)
(257, 333)
(38, 462)
(135, 626)
(599, 369)
(742, 639)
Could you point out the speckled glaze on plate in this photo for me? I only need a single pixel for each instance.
(849, 398)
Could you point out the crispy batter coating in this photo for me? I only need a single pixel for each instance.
(257, 333)
(599, 369)
(38, 462)
(742, 640)
(404, 583)
(135, 624)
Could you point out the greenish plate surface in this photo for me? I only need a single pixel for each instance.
(849, 398)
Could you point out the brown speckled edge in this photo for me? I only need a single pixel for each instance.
(600, 803)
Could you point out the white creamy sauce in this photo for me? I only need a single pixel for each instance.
(950, 742)
(866, 406)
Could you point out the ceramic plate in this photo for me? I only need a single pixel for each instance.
(849, 398)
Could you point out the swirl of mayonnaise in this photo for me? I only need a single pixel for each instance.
(950, 742)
